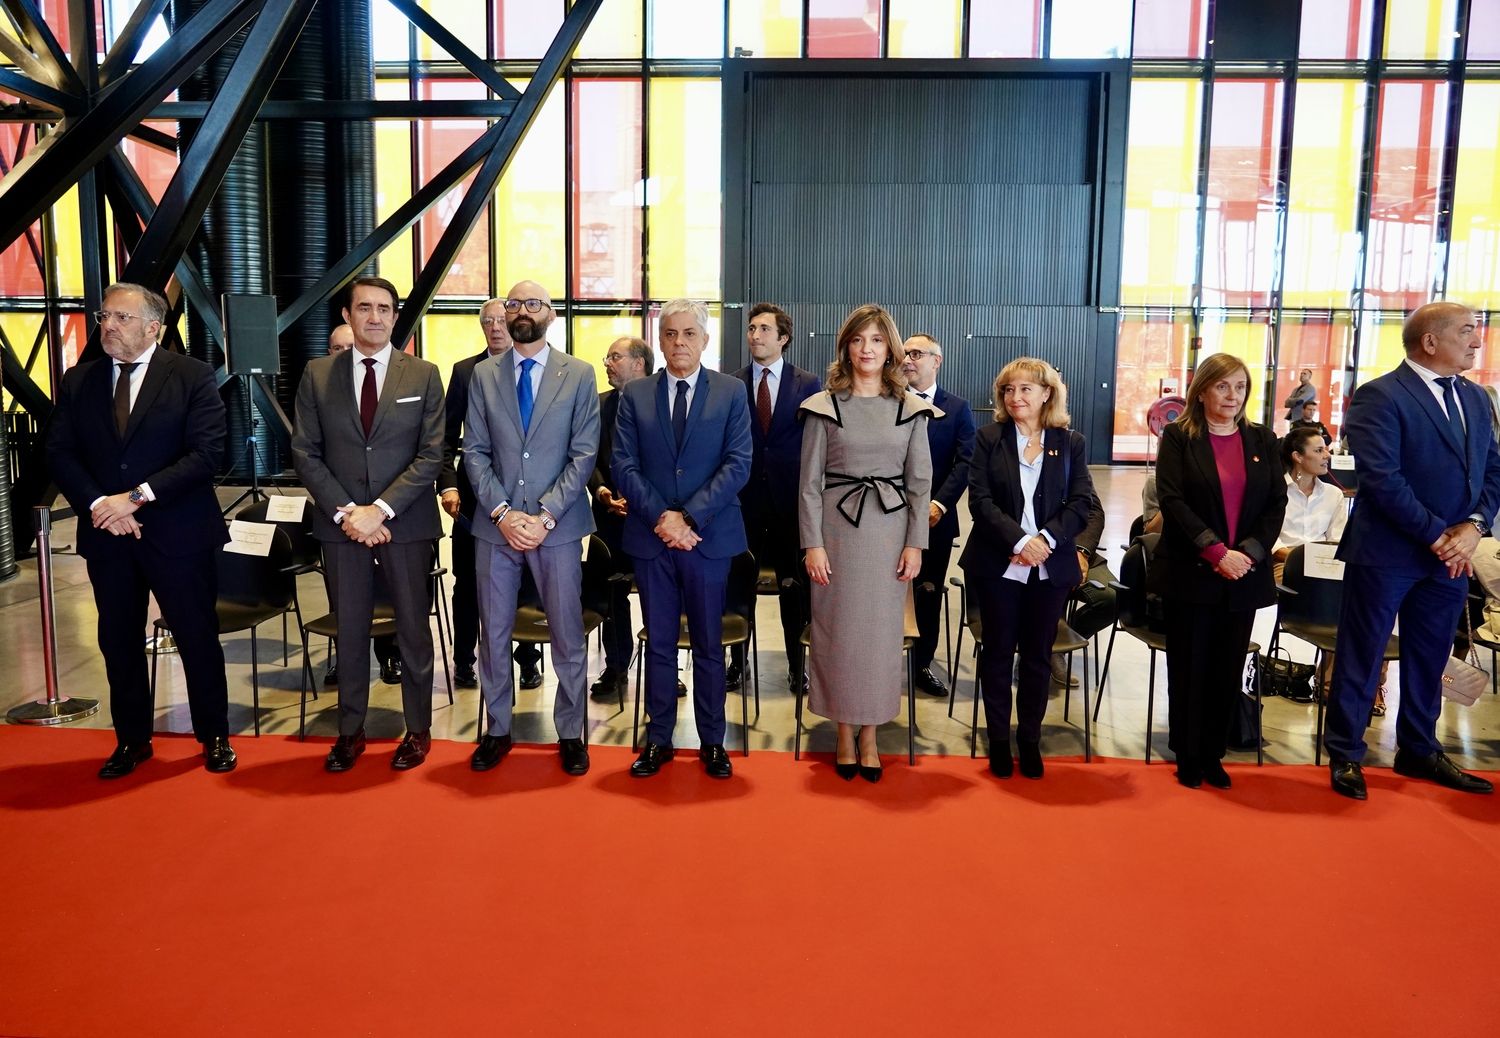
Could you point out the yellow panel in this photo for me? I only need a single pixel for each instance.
(69, 244)
(20, 332)
(529, 211)
(1380, 347)
(449, 338)
(1322, 251)
(1419, 29)
(1160, 234)
(926, 29)
(615, 31)
(766, 28)
(685, 190)
(1246, 340)
(463, 18)
(1474, 256)
(593, 333)
(393, 184)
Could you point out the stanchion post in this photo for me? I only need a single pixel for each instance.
(55, 709)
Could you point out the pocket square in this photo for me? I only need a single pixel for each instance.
(407, 399)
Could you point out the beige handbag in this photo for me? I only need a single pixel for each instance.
(1464, 681)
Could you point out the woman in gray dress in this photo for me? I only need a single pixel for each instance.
(866, 483)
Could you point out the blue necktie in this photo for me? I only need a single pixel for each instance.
(523, 393)
(679, 413)
(1450, 401)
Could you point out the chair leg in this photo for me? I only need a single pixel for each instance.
(1260, 735)
(1088, 733)
(1150, 701)
(443, 644)
(974, 720)
(1322, 701)
(155, 634)
(755, 664)
(1067, 688)
(799, 696)
(1109, 652)
(284, 647)
(948, 646)
(744, 698)
(640, 669)
(479, 717)
(254, 684)
(307, 677)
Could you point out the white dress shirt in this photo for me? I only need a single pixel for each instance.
(692, 383)
(382, 361)
(1319, 516)
(137, 379)
(1031, 475)
(1436, 388)
(536, 369)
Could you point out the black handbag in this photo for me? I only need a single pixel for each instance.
(1244, 717)
(1280, 675)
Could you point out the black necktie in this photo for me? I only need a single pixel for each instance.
(122, 397)
(1450, 401)
(368, 398)
(679, 413)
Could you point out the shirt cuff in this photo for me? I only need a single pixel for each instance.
(1048, 538)
(146, 489)
(338, 517)
(495, 513)
(1214, 553)
(95, 503)
(1021, 544)
(390, 513)
(941, 507)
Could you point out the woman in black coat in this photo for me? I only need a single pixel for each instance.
(1213, 573)
(1029, 494)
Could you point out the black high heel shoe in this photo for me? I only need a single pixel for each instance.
(866, 772)
(845, 771)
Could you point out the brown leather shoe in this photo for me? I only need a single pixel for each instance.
(412, 751)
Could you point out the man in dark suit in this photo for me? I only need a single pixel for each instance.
(134, 445)
(1309, 420)
(681, 456)
(368, 444)
(456, 495)
(627, 359)
(952, 444)
(1429, 488)
(774, 387)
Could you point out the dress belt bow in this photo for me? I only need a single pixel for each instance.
(890, 493)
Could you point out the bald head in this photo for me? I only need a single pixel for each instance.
(1442, 337)
(340, 339)
(528, 315)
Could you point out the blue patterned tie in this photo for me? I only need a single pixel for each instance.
(523, 393)
(679, 413)
(1450, 401)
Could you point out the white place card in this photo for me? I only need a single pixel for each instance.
(285, 508)
(250, 538)
(1319, 561)
(1342, 462)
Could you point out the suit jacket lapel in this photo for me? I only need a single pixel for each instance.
(551, 385)
(1012, 468)
(1417, 387)
(99, 394)
(1202, 453)
(395, 380)
(699, 404)
(786, 391)
(664, 412)
(1250, 504)
(152, 380)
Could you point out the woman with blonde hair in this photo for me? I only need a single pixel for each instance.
(1223, 497)
(866, 484)
(1029, 495)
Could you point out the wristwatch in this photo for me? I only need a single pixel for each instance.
(137, 497)
(1479, 524)
(548, 523)
(504, 510)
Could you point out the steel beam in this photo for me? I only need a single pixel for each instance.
(155, 138)
(439, 34)
(34, 30)
(54, 165)
(22, 58)
(128, 42)
(202, 168)
(12, 82)
(443, 108)
(482, 187)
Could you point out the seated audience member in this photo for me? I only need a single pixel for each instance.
(1309, 420)
(1487, 571)
(1150, 506)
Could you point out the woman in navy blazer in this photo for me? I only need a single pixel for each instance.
(1029, 495)
(1212, 574)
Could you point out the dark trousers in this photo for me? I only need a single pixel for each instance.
(1096, 607)
(616, 631)
(185, 588)
(775, 544)
(928, 603)
(1429, 609)
(466, 608)
(1206, 648)
(1018, 620)
(672, 584)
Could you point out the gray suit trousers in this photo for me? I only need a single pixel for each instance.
(406, 567)
(558, 572)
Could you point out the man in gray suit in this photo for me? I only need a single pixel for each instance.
(368, 444)
(530, 437)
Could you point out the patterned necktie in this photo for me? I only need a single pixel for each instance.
(679, 413)
(1450, 401)
(763, 401)
(368, 397)
(122, 397)
(524, 398)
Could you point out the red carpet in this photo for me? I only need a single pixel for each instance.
(279, 900)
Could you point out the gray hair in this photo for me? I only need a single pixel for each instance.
(936, 347)
(692, 307)
(154, 305)
(640, 349)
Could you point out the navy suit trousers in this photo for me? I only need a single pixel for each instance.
(673, 584)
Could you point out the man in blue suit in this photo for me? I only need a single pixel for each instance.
(681, 454)
(774, 387)
(1429, 488)
(952, 444)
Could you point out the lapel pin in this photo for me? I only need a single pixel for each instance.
(1255, 457)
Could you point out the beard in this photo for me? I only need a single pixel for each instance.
(527, 330)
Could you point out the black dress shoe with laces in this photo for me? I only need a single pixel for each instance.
(390, 672)
(734, 675)
(651, 759)
(490, 750)
(464, 677)
(218, 755)
(1348, 779)
(1439, 767)
(575, 756)
(681, 689)
(531, 676)
(331, 679)
(123, 761)
(715, 761)
(346, 750)
(412, 751)
(609, 684)
(930, 683)
(1001, 764)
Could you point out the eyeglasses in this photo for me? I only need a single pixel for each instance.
(919, 354)
(490, 322)
(119, 315)
(533, 306)
(617, 357)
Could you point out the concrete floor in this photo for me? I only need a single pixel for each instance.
(1472, 734)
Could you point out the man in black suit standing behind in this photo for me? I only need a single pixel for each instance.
(952, 444)
(775, 387)
(134, 445)
(456, 494)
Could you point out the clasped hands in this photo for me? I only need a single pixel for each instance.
(674, 531)
(1234, 565)
(521, 531)
(1034, 552)
(365, 524)
(116, 515)
(1456, 548)
(612, 502)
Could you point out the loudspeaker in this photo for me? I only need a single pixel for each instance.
(250, 343)
(1257, 30)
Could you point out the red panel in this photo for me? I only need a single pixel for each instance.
(1240, 224)
(1169, 28)
(20, 272)
(438, 142)
(843, 28)
(1399, 264)
(607, 189)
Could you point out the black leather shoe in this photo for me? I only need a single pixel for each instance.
(1348, 779)
(1189, 774)
(390, 672)
(1031, 758)
(489, 751)
(218, 755)
(608, 685)
(715, 761)
(123, 761)
(464, 677)
(575, 756)
(651, 759)
(681, 689)
(1001, 764)
(412, 751)
(930, 683)
(734, 675)
(531, 676)
(870, 773)
(331, 679)
(1215, 775)
(1439, 768)
(346, 750)
(796, 686)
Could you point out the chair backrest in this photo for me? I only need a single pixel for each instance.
(254, 580)
(1315, 601)
(744, 576)
(305, 548)
(598, 567)
(1138, 606)
(1137, 527)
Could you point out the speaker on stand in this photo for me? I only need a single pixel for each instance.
(250, 351)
